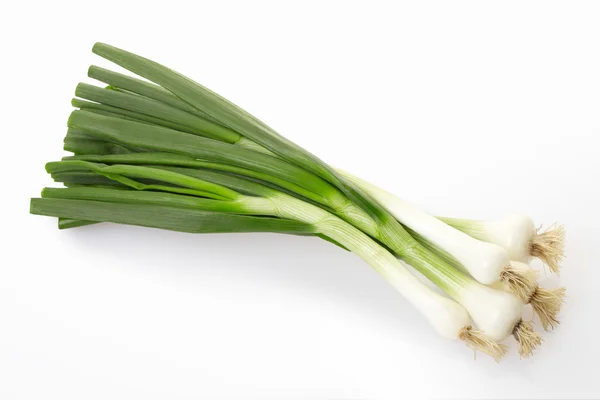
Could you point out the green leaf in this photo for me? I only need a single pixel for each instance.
(122, 173)
(160, 111)
(115, 112)
(89, 146)
(119, 82)
(133, 134)
(168, 159)
(81, 141)
(165, 217)
(84, 178)
(141, 197)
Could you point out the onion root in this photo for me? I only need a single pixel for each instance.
(549, 246)
(527, 339)
(479, 342)
(547, 303)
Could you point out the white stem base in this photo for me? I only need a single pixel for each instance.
(495, 312)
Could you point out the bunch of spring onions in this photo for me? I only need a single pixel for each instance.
(168, 153)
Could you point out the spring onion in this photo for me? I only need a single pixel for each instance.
(453, 282)
(173, 143)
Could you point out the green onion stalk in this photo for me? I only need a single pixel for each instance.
(141, 101)
(132, 122)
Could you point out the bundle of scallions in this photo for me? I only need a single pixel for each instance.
(168, 153)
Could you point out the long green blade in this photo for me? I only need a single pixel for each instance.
(168, 159)
(165, 217)
(134, 197)
(142, 88)
(236, 183)
(90, 146)
(75, 134)
(140, 197)
(119, 171)
(85, 178)
(115, 112)
(161, 111)
(132, 134)
(239, 183)
(66, 223)
(82, 141)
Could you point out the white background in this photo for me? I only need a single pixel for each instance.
(473, 109)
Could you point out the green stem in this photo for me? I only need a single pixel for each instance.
(161, 111)
(116, 112)
(156, 138)
(122, 173)
(142, 88)
(142, 197)
(90, 146)
(165, 217)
